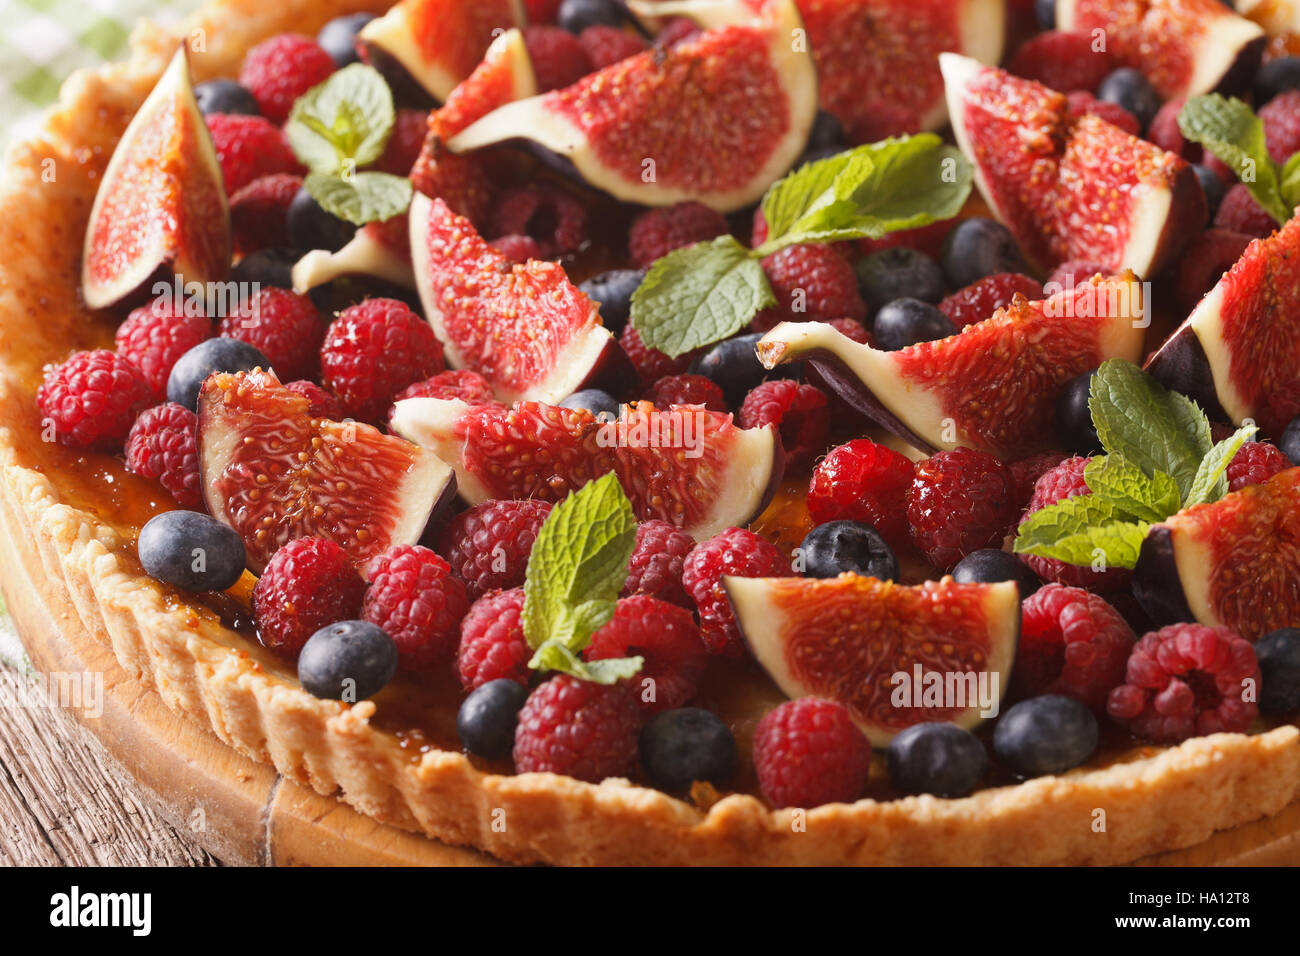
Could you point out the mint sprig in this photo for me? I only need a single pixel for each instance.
(705, 293)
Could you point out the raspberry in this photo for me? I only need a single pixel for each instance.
(404, 143)
(811, 282)
(462, 182)
(605, 45)
(1186, 680)
(286, 328)
(928, 239)
(492, 644)
(852, 329)
(657, 232)
(1066, 481)
(93, 398)
(862, 481)
(416, 600)
(1240, 213)
(1281, 118)
(551, 216)
(558, 57)
(808, 752)
(152, 338)
(163, 444)
(1026, 472)
(542, 11)
(259, 213)
(279, 70)
(372, 351)
(586, 730)
(979, 300)
(1165, 132)
(465, 384)
(737, 552)
(664, 635)
(1063, 61)
(800, 413)
(651, 364)
(488, 545)
(248, 148)
(1204, 261)
(1072, 273)
(308, 584)
(655, 568)
(960, 501)
(518, 249)
(1071, 642)
(320, 403)
(687, 389)
(1082, 102)
(1255, 463)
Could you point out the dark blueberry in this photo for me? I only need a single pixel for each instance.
(1279, 671)
(214, 355)
(576, 15)
(1276, 76)
(1048, 734)
(826, 130)
(975, 248)
(1045, 10)
(191, 551)
(613, 290)
(1131, 90)
(838, 546)
(311, 227)
(816, 154)
(1290, 440)
(1074, 427)
(735, 367)
(905, 322)
(274, 268)
(681, 746)
(899, 273)
(225, 96)
(338, 38)
(486, 720)
(595, 401)
(942, 759)
(350, 661)
(989, 565)
(1212, 186)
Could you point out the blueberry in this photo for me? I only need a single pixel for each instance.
(975, 248)
(1212, 186)
(1074, 427)
(681, 746)
(311, 227)
(942, 759)
(1276, 76)
(1045, 10)
(899, 273)
(215, 355)
(613, 290)
(266, 267)
(1290, 440)
(734, 366)
(816, 154)
(595, 401)
(338, 38)
(905, 322)
(838, 546)
(225, 96)
(826, 130)
(191, 551)
(1279, 671)
(576, 15)
(486, 720)
(1048, 734)
(350, 660)
(989, 565)
(1131, 90)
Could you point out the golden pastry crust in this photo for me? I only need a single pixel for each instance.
(1167, 800)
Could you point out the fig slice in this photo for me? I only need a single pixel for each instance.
(1234, 562)
(715, 119)
(691, 467)
(849, 638)
(994, 385)
(274, 473)
(379, 249)
(1069, 187)
(161, 204)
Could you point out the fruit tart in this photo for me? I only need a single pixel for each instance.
(742, 432)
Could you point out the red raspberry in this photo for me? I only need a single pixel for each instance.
(809, 752)
(1240, 213)
(1026, 472)
(862, 481)
(663, 634)
(259, 213)
(1072, 273)
(517, 249)
(1281, 118)
(488, 545)
(960, 501)
(656, 565)
(465, 384)
(1187, 680)
(414, 598)
(461, 181)
(800, 413)
(372, 351)
(657, 232)
(852, 329)
(320, 403)
(737, 552)
(811, 283)
(551, 216)
(928, 239)
(308, 584)
(1165, 132)
(285, 326)
(979, 300)
(675, 31)
(579, 728)
(248, 148)
(152, 338)
(404, 143)
(492, 644)
(1073, 643)
(163, 444)
(1063, 61)
(558, 57)
(542, 11)
(1066, 481)
(1204, 261)
(1255, 463)
(279, 70)
(606, 45)
(651, 364)
(687, 389)
(92, 399)
(1082, 103)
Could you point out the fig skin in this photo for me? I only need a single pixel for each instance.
(1181, 365)
(1156, 583)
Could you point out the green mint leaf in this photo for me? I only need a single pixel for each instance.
(361, 197)
(611, 670)
(1290, 183)
(699, 295)
(1210, 483)
(1068, 518)
(1082, 531)
(811, 186)
(554, 656)
(347, 118)
(1116, 480)
(1230, 130)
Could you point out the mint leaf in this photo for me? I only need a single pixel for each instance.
(1078, 530)
(1230, 130)
(1116, 480)
(1290, 181)
(361, 197)
(794, 197)
(347, 118)
(1066, 518)
(699, 295)
(554, 656)
(1210, 483)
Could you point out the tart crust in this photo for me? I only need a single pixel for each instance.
(1156, 801)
